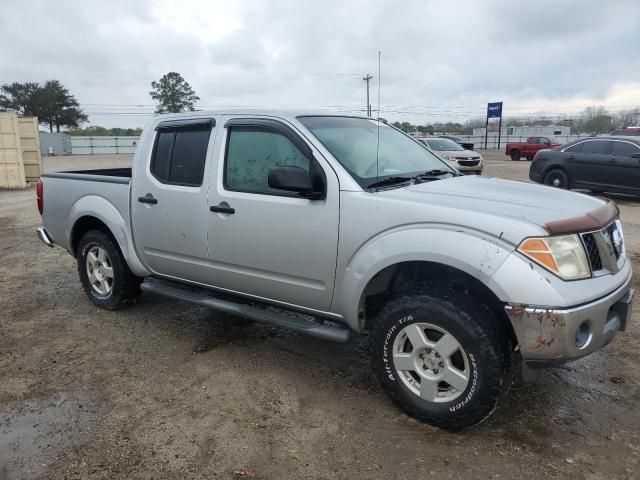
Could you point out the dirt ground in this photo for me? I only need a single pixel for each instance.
(169, 390)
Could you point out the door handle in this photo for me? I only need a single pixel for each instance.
(223, 208)
(571, 157)
(148, 198)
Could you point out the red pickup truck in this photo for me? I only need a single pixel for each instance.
(529, 148)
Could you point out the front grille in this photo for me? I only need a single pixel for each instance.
(468, 163)
(592, 251)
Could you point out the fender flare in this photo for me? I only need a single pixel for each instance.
(473, 252)
(102, 209)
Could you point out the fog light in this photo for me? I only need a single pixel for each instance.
(583, 335)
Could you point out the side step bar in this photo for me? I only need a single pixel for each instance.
(207, 298)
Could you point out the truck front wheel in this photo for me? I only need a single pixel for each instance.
(556, 178)
(104, 274)
(441, 358)
(515, 155)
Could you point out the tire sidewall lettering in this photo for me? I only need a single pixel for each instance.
(387, 358)
(472, 389)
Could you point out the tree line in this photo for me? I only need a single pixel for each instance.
(97, 131)
(593, 121)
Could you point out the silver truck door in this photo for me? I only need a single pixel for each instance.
(169, 199)
(265, 242)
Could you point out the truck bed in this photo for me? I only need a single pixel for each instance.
(70, 195)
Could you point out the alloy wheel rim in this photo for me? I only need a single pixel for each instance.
(99, 270)
(431, 362)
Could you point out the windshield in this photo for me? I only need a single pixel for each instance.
(353, 142)
(443, 145)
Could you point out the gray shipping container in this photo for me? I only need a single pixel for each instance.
(55, 144)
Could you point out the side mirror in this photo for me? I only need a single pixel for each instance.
(293, 179)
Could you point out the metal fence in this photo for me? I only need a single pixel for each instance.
(112, 145)
(103, 145)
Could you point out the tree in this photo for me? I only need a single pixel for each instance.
(628, 118)
(59, 108)
(51, 103)
(596, 120)
(22, 98)
(173, 94)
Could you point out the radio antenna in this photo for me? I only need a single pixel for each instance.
(378, 123)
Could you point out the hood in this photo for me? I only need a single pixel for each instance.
(531, 203)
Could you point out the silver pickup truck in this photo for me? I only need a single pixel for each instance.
(331, 225)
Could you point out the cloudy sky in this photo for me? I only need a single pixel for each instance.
(440, 60)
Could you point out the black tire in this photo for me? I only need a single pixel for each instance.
(124, 285)
(557, 178)
(515, 155)
(476, 330)
(530, 158)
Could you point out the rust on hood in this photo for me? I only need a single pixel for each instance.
(594, 220)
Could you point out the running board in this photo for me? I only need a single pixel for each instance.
(262, 313)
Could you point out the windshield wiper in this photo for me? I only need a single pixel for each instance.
(389, 181)
(433, 175)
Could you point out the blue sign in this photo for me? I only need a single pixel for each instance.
(494, 110)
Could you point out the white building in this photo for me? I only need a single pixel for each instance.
(546, 131)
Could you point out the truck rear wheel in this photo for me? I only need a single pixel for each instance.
(104, 274)
(515, 155)
(441, 357)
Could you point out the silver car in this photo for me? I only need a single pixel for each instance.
(466, 161)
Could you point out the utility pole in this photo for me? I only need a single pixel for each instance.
(366, 78)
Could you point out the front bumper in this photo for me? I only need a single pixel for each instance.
(536, 177)
(548, 336)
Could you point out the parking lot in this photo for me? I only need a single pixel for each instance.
(169, 390)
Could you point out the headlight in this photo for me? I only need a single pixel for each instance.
(563, 255)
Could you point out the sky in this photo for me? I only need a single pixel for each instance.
(440, 61)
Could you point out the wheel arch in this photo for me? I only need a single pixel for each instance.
(97, 212)
(404, 277)
(85, 224)
(433, 248)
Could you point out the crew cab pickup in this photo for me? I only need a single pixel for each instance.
(529, 148)
(333, 226)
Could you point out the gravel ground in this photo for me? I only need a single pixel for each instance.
(169, 390)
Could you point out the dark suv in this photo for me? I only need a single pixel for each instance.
(599, 164)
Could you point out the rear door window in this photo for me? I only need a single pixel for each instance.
(577, 148)
(179, 155)
(596, 147)
(624, 149)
